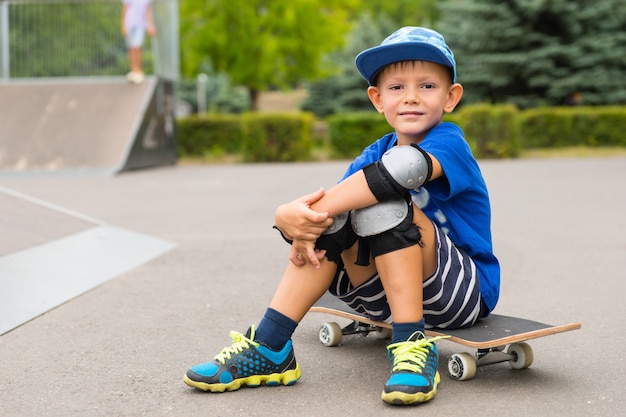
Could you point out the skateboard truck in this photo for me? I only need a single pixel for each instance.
(330, 334)
(462, 366)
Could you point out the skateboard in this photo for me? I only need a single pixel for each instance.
(495, 339)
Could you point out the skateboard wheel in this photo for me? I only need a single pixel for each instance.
(462, 366)
(523, 355)
(330, 334)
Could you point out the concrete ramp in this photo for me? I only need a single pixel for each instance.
(94, 124)
(50, 255)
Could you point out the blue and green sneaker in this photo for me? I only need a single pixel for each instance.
(414, 375)
(246, 362)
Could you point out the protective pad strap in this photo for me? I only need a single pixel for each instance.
(290, 241)
(401, 168)
(380, 182)
(405, 235)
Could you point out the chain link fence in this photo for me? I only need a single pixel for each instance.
(80, 38)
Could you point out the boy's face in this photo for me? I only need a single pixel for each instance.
(414, 96)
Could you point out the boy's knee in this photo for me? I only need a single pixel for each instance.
(387, 226)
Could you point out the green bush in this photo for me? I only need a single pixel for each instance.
(350, 133)
(258, 137)
(555, 127)
(491, 130)
(198, 136)
(277, 137)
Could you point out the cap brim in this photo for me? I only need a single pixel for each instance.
(371, 61)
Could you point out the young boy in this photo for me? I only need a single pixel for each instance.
(404, 237)
(136, 21)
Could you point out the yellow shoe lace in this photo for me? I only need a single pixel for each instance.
(240, 342)
(411, 356)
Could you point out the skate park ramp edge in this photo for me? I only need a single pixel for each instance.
(50, 255)
(91, 124)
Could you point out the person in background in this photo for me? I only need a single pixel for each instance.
(136, 21)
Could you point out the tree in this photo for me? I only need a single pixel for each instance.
(262, 43)
(345, 90)
(404, 12)
(540, 52)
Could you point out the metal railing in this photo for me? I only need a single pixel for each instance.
(80, 38)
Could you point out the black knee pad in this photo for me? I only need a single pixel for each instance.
(400, 236)
(337, 238)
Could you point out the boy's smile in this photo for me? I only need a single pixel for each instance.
(414, 96)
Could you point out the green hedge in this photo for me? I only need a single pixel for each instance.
(350, 133)
(573, 126)
(258, 137)
(198, 136)
(492, 131)
(277, 138)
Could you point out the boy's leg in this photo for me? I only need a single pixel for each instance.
(300, 287)
(266, 356)
(403, 272)
(134, 57)
(414, 359)
(134, 43)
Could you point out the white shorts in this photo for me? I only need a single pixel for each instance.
(135, 37)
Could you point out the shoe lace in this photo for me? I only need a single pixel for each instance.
(411, 355)
(240, 342)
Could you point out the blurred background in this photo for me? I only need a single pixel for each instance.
(234, 57)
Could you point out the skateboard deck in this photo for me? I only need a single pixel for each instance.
(496, 338)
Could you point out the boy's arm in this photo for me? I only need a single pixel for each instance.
(298, 222)
(354, 193)
(350, 194)
(151, 29)
(123, 26)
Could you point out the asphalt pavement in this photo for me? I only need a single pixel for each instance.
(122, 348)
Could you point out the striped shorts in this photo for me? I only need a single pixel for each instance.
(452, 297)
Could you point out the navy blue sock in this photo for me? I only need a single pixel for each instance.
(274, 329)
(402, 331)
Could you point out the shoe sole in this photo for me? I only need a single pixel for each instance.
(403, 398)
(286, 378)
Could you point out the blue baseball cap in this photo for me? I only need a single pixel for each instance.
(409, 43)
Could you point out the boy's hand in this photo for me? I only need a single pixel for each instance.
(298, 222)
(303, 252)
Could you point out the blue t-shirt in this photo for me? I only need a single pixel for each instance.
(457, 202)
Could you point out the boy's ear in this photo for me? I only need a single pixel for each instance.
(454, 96)
(374, 94)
